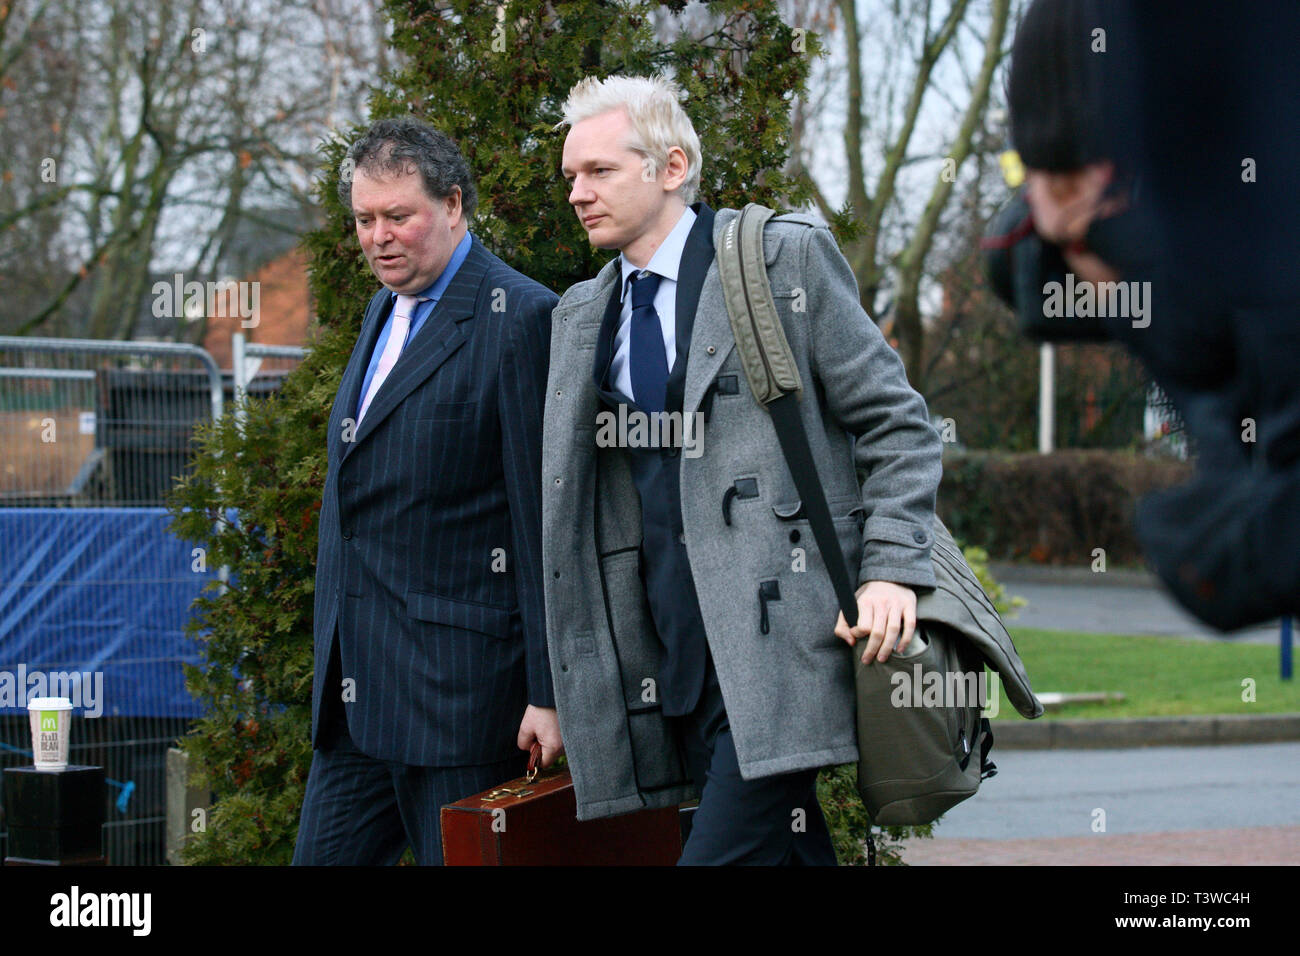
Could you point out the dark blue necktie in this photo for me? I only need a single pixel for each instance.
(646, 358)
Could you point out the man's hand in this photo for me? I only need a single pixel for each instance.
(1065, 205)
(884, 611)
(542, 724)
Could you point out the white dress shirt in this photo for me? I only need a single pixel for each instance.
(665, 263)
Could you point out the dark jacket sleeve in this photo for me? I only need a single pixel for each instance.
(525, 361)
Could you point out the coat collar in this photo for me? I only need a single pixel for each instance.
(693, 270)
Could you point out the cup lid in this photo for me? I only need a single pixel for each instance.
(49, 703)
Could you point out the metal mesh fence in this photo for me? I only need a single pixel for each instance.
(92, 435)
(99, 423)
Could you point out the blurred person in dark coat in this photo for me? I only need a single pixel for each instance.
(1162, 158)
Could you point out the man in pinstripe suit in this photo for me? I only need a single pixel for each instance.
(432, 676)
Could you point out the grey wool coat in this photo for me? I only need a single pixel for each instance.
(788, 693)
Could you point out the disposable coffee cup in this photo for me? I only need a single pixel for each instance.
(51, 718)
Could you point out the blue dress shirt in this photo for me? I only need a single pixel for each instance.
(665, 262)
(422, 311)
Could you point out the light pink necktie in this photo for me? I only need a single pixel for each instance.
(396, 337)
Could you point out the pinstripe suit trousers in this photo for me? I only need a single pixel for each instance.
(361, 811)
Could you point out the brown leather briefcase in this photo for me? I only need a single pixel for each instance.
(530, 821)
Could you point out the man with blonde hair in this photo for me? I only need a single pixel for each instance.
(693, 640)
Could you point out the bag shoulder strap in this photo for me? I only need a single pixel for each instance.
(760, 340)
(773, 376)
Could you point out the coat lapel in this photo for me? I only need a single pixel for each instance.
(712, 327)
(699, 291)
(605, 337)
(568, 439)
(441, 335)
(697, 257)
(349, 393)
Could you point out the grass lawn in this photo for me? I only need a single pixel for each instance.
(1159, 676)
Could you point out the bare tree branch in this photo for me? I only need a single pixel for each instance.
(911, 261)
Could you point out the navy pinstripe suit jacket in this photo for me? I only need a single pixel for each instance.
(439, 485)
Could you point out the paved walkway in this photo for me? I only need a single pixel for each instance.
(1161, 802)
(1254, 846)
(1236, 804)
(1050, 794)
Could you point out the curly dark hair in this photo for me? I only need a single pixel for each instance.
(392, 146)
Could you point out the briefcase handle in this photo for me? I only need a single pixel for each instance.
(534, 763)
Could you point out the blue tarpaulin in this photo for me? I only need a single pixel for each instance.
(99, 591)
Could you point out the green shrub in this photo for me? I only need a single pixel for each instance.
(850, 826)
(1055, 508)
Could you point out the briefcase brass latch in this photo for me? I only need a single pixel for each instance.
(500, 793)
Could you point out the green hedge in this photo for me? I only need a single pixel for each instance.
(1055, 508)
